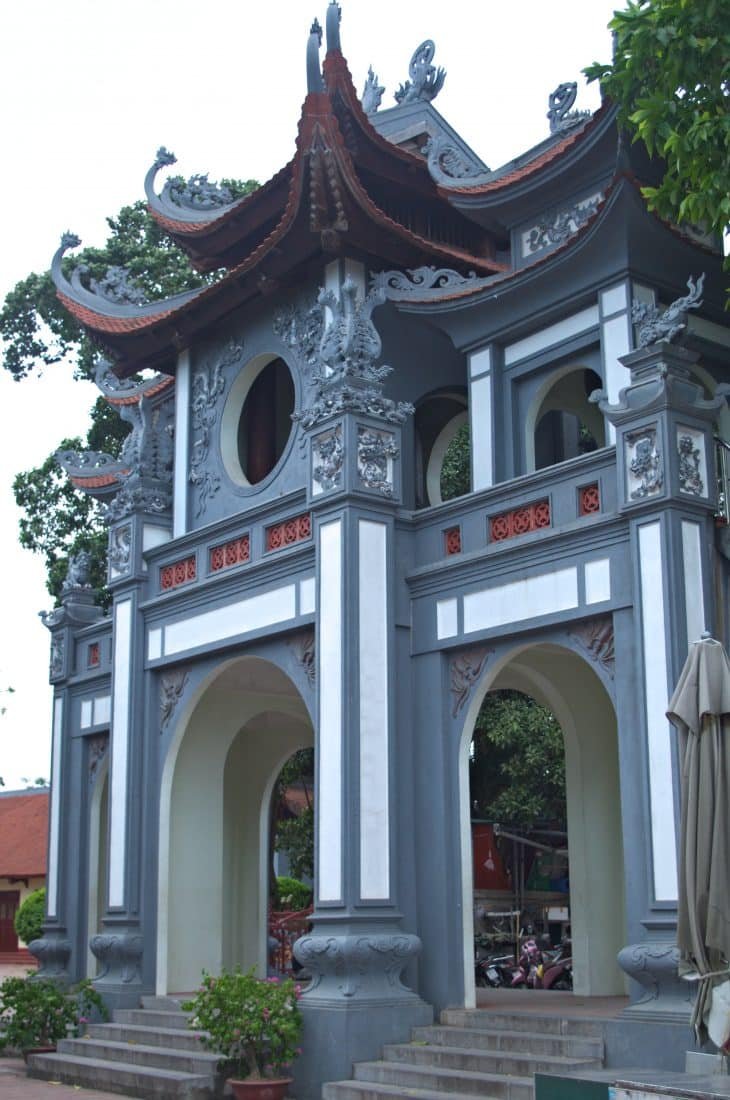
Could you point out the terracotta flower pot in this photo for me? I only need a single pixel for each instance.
(260, 1088)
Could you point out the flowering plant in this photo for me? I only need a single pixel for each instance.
(37, 1012)
(253, 1024)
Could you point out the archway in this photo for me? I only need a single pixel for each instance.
(561, 422)
(217, 783)
(568, 686)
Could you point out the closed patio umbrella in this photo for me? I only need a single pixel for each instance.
(700, 710)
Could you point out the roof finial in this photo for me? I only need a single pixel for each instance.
(314, 73)
(559, 113)
(334, 16)
(372, 94)
(426, 80)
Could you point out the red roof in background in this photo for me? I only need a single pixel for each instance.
(24, 834)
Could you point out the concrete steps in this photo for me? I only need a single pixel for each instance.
(146, 1053)
(475, 1053)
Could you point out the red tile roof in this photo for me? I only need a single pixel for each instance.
(24, 834)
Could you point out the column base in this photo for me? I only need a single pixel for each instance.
(53, 953)
(665, 997)
(120, 979)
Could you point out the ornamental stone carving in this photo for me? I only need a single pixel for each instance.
(172, 685)
(690, 462)
(358, 967)
(554, 229)
(120, 956)
(376, 452)
(78, 574)
(197, 193)
(419, 280)
(560, 101)
(426, 81)
(58, 650)
(306, 653)
(644, 466)
(138, 498)
(466, 668)
(328, 456)
(120, 549)
(654, 966)
(117, 285)
(97, 748)
(300, 328)
(655, 324)
(53, 954)
(596, 637)
(208, 384)
(372, 93)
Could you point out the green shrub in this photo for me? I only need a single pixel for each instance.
(37, 1012)
(30, 916)
(291, 893)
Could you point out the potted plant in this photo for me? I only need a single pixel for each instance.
(254, 1024)
(36, 1012)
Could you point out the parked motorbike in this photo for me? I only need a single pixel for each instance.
(494, 971)
(528, 964)
(557, 968)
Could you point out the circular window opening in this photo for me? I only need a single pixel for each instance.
(265, 423)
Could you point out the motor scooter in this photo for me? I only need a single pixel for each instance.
(494, 971)
(528, 964)
(557, 968)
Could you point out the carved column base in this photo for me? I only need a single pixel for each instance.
(120, 956)
(653, 965)
(359, 965)
(53, 953)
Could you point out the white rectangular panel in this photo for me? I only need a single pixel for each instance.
(153, 536)
(553, 334)
(374, 732)
(480, 406)
(544, 594)
(480, 362)
(329, 791)
(119, 750)
(182, 447)
(694, 599)
(614, 300)
(307, 598)
(447, 622)
(102, 710)
(598, 580)
(154, 643)
(87, 713)
(54, 823)
(616, 339)
(656, 691)
(257, 612)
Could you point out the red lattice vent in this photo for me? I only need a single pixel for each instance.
(452, 540)
(228, 554)
(93, 657)
(179, 572)
(289, 532)
(518, 521)
(589, 500)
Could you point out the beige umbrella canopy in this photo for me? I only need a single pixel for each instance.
(700, 709)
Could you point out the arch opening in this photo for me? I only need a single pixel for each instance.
(562, 423)
(564, 683)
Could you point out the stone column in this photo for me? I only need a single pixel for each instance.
(358, 948)
(666, 489)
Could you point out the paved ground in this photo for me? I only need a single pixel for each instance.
(549, 1000)
(15, 1085)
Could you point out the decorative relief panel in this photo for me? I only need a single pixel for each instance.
(589, 499)
(452, 541)
(519, 521)
(376, 451)
(120, 549)
(692, 464)
(93, 655)
(596, 637)
(555, 228)
(172, 685)
(208, 384)
(178, 573)
(290, 531)
(98, 745)
(644, 465)
(328, 456)
(305, 648)
(228, 554)
(466, 668)
(57, 657)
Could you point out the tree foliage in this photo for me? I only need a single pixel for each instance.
(295, 835)
(28, 920)
(671, 80)
(456, 466)
(57, 520)
(517, 766)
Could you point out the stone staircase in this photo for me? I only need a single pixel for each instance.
(147, 1052)
(471, 1053)
(475, 1053)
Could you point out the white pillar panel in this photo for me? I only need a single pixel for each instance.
(656, 693)
(480, 406)
(329, 790)
(119, 751)
(694, 598)
(182, 445)
(374, 731)
(616, 341)
(53, 833)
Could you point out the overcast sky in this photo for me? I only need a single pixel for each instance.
(90, 89)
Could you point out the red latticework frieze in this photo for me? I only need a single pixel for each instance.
(290, 531)
(93, 656)
(519, 521)
(589, 500)
(228, 554)
(179, 572)
(452, 540)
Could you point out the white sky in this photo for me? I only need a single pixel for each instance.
(90, 89)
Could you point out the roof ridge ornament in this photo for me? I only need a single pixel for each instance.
(655, 324)
(332, 23)
(559, 114)
(426, 81)
(447, 162)
(372, 93)
(315, 83)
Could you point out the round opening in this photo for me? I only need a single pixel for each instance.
(257, 423)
